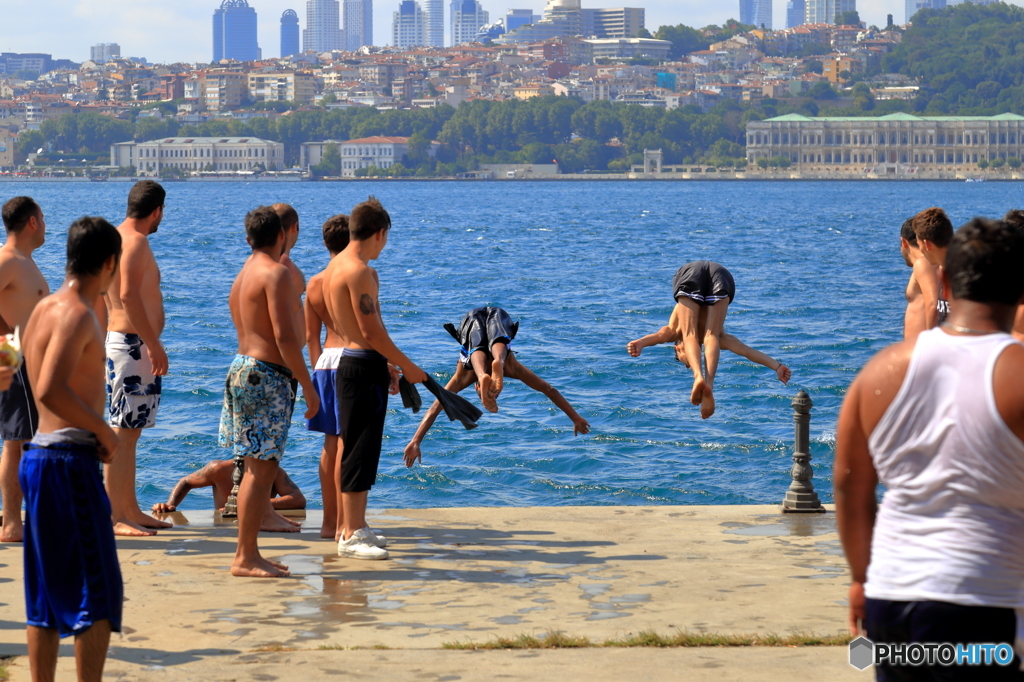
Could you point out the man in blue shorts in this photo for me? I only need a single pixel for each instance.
(72, 578)
(260, 389)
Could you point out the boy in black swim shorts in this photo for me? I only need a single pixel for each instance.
(484, 336)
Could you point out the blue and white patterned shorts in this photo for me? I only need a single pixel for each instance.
(132, 389)
(258, 401)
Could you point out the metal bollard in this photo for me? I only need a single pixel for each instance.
(801, 498)
(231, 504)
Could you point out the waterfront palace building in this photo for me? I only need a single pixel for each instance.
(198, 153)
(893, 144)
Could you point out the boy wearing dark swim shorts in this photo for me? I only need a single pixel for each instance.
(72, 577)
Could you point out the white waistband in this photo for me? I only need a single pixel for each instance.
(329, 359)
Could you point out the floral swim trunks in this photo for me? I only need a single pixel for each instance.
(133, 390)
(258, 401)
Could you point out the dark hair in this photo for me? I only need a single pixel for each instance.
(907, 231)
(933, 224)
(336, 233)
(146, 196)
(17, 211)
(262, 226)
(287, 215)
(983, 262)
(91, 241)
(1014, 218)
(367, 219)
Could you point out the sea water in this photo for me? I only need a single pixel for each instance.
(586, 267)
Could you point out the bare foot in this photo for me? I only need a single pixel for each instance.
(328, 531)
(707, 403)
(257, 569)
(147, 521)
(484, 388)
(132, 530)
(279, 566)
(697, 394)
(277, 524)
(497, 377)
(634, 348)
(12, 533)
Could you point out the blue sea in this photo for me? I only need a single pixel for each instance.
(585, 267)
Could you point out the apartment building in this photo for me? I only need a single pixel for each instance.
(198, 153)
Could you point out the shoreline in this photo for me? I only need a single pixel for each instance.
(626, 177)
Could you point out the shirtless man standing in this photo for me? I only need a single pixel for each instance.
(290, 221)
(922, 289)
(72, 576)
(22, 286)
(260, 390)
(934, 232)
(325, 356)
(136, 360)
(351, 289)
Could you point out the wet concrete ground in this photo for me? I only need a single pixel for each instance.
(469, 575)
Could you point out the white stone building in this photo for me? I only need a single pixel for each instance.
(379, 151)
(222, 154)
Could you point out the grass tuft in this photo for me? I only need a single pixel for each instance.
(649, 638)
(274, 647)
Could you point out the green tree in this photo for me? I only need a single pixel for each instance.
(29, 141)
(983, 164)
(848, 18)
(684, 40)
(822, 90)
(330, 162)
(1013, 162)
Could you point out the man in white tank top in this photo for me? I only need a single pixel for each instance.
(940, 423)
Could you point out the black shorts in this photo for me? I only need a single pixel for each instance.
(705, 282)
(940, 622)
(481, 328)
(18, 416)
(362, 395)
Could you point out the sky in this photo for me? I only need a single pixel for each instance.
(181, 30)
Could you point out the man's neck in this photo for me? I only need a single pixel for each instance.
(982, 317)
(936, 256)
(20, 243)
(362, 250)
(268, 252)
(87, 288)
(137, 225)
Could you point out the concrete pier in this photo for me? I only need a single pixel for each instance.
(471, 575)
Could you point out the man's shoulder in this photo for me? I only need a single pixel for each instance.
(887, 366)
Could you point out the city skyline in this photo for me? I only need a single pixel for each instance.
(165, 31)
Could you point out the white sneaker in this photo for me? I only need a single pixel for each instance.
(379, 539)
(362, 545)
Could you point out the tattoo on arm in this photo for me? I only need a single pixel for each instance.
(366, 305)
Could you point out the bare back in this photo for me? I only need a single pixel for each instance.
(340, 279)
(64, 338)
(315, 299)
(914, 321)
(138, 275)
(262, 299)
(299, 284)
(22, 286)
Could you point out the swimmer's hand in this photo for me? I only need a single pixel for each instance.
(164, 508)
(158, 358)
(634, 348)
(108, 445)
(783, 373)
(312, 403)
(412, 454)
(6, 376)
(393, 382)
(580, 427)
(414, 375)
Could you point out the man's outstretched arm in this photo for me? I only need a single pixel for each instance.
(515, 370)
(463, 378)
(734, 345)
(663, 335)
(197, 479)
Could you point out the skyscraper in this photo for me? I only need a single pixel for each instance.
(467, 16)
(520, 17)
(434, 9)
(234, 32)
(794, 13)
(323, 32)
(358, 24)
(289, 33)
(104, 52)
(913, 6)
(825, 11)
(756, 13)
(409, 25)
